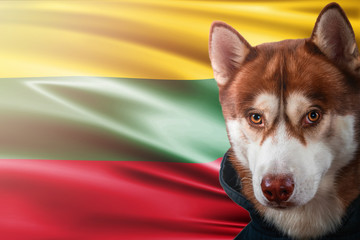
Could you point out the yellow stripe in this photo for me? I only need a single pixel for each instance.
(139, 39)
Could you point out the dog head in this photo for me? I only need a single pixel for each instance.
(290, 107)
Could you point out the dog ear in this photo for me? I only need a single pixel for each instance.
(335, 38)
(227, 51)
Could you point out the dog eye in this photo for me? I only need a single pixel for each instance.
(312, 117)
(256, 119)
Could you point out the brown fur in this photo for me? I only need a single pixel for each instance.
(283, 82)
(287, 67)
(348, 182)
(292, 65)
(330, 90)
(246, 182)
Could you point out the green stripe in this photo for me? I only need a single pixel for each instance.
(93, 118)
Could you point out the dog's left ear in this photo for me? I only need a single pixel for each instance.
(334, 36)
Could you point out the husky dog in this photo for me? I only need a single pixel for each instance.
(292, 116)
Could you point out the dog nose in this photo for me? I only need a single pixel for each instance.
(277, 188)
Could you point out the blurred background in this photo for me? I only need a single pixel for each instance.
(124, 91)
(95, 80)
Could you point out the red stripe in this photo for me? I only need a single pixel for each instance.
(43, 199)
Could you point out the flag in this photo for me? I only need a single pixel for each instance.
(110, 123)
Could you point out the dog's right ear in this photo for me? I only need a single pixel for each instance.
(334, 36)
(227, 51)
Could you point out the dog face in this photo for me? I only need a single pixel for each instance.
(290, 107)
